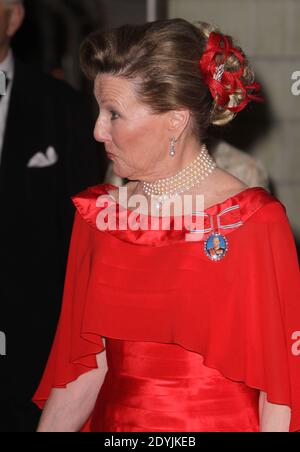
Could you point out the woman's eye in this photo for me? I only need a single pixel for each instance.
(114, 115)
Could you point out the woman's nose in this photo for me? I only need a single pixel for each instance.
(100, 132)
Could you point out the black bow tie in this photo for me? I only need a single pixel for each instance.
(7, 80)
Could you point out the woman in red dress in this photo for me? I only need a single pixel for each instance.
(156, 333)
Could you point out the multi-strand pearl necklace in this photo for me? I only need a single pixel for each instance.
(185, 179)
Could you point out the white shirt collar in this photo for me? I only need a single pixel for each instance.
(7, 65)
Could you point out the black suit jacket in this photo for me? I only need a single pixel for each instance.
(37, 216)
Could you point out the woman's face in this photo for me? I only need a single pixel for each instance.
(137, 139)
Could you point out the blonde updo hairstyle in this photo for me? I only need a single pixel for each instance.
(161, 58)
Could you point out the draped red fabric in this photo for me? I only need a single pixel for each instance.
(241, 314)
(158, 387)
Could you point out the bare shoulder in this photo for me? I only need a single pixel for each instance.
(229, 184)
(221, 186)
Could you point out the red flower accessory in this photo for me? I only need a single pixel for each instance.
(221, 82)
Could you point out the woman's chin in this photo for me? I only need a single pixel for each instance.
(121, 171)
(118, 171)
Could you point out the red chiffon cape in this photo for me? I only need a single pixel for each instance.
(241, 313)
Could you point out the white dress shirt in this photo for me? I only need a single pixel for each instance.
(6, 66)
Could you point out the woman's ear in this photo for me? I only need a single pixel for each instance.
(178, 120)
(16, 17)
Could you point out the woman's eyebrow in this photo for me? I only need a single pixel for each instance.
(108, 101)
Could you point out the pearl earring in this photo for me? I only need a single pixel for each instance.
(172, 147)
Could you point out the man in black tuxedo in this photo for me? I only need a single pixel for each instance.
(47, 154)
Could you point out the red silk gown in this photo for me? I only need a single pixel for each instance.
(190, 342)
(163, 387)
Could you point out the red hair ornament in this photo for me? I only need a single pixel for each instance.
(223, 83)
